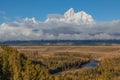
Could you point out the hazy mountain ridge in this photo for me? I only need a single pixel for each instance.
(63, 42)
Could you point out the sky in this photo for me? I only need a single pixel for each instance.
(101, 10)
(59, 20)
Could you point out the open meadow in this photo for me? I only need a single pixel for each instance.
(97, 52)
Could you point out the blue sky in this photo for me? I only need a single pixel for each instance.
(17, 22)
(101, 10)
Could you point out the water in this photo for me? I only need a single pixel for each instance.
(92, 64)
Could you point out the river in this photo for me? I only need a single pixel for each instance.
(91, 64)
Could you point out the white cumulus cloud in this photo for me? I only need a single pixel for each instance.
(71, 17)
(69, 26)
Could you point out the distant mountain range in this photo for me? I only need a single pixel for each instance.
(63, 42)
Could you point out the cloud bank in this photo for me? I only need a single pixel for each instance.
(70, 26)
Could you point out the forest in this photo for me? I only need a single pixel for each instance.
(17, 65)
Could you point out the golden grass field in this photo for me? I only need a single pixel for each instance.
(98, 52)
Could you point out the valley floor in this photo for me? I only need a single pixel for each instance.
(98, 52)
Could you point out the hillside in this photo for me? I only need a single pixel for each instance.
(59, 62)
